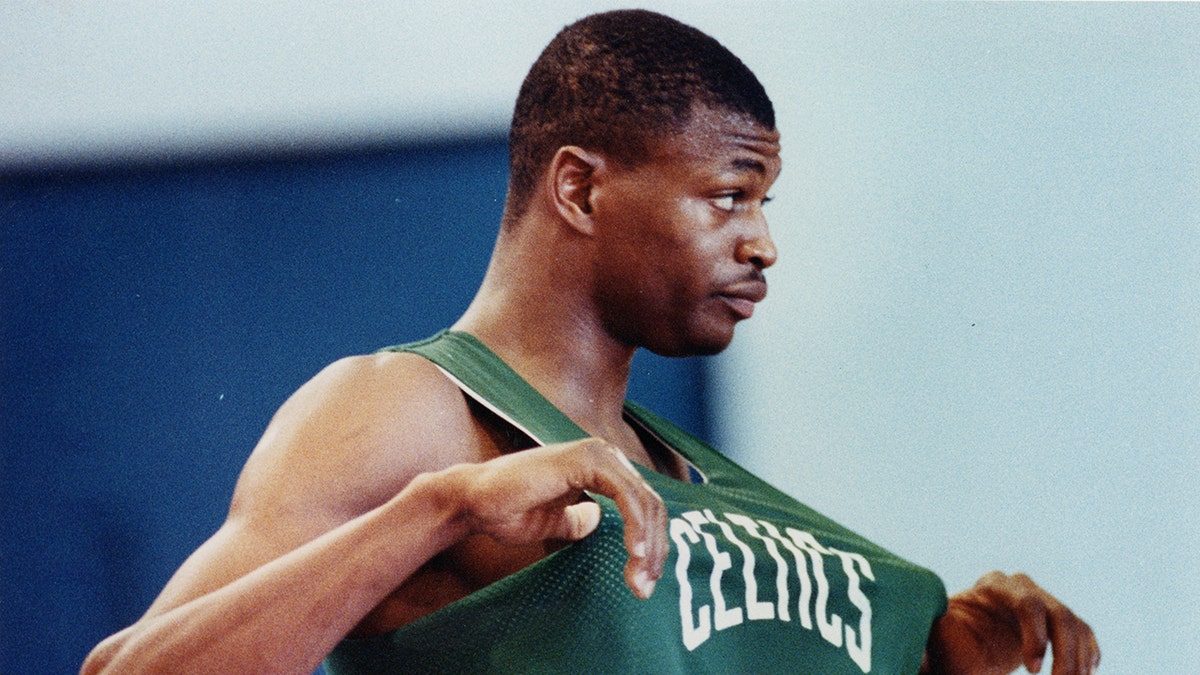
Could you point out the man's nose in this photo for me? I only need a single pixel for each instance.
(757, 247)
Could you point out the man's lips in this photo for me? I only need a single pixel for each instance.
(742, 297)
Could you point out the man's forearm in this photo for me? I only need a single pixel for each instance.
(285, 616)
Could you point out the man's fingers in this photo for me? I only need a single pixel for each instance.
(1031, 616)
(1091, 653)
(1045, 621)
(1005, 621)
(1087, 655)
(644, 514)
(1073, 643)
(578, 521)
(534, 495)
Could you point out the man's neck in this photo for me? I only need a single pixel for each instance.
(536, 311)
(578, 368)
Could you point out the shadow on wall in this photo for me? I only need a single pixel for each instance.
(153, 319)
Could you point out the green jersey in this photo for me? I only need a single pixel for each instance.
(755, 582)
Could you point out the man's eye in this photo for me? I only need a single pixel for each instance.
(724, 203)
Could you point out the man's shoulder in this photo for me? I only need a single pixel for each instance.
(359, 431)
(395, 402)
(385, 379)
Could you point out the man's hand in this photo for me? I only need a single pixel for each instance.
(539, 494)
(1004, 622)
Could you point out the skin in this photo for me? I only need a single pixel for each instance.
(1004, 622)
(374, 496)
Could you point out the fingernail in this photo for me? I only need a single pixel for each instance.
(639, 549)
(644, 583)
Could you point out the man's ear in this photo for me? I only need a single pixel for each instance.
(571, 176)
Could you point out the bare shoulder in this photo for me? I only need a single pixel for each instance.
(357, 433)
(345, 443)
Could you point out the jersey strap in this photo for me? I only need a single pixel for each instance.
(491, 381)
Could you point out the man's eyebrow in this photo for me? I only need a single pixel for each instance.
(744, 164)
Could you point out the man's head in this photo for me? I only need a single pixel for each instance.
(615, 83)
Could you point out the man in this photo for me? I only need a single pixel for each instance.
(473, 501)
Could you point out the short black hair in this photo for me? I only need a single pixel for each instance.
(617, 81)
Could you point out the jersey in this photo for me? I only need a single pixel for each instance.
(755, 582)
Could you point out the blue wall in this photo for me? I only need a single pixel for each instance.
(153, 319)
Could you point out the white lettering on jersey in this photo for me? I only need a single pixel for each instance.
(694, 632)
(700, 624)
(723, 617)
(830, 625)
(801, 573)
(860, 652)
(755, 609)
(781, 567)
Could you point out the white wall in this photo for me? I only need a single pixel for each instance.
(982, 346)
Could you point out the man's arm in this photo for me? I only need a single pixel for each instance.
(358, 482)
(1004, 622)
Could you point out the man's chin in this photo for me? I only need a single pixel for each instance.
(702, 345)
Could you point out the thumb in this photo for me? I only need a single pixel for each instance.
(578, 521)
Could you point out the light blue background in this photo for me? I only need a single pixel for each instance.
(983, 342)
